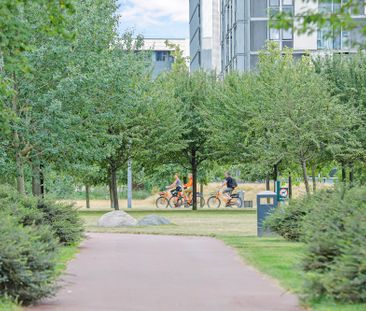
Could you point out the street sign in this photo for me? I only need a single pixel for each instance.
(282, 192)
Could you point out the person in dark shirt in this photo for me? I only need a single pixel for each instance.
(229, 185)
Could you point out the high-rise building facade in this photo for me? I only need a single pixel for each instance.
(244, 29)
(205, 34)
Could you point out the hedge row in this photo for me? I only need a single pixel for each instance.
(31, 233)
(333, 226)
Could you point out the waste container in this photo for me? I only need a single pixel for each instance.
(266, 202)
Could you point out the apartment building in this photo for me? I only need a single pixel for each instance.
(161, 54)
(245, 29)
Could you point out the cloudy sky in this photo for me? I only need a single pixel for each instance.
(156, 18)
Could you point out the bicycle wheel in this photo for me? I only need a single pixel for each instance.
(201, 201)
(161, 202)
(237, 202)
(214, 202)
(175, 202)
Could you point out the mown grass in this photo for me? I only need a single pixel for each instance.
(273, 256)
(186, 222)
(280, 259)
(8, 305)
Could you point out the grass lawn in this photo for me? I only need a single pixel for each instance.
(237, 228)
(65, 255)
(186, 222)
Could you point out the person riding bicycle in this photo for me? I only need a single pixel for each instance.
(176, 186)
(188, 187)
(230, 184)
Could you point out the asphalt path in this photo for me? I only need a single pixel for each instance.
(164, 273)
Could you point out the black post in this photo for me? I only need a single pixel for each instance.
(290, 185)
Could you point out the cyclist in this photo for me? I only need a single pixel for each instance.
(176, 186)
(188, 188)
(230, 184)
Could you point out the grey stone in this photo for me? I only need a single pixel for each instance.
(116, 219)
(153, 220)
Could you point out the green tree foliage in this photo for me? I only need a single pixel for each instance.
(272, 120)
(18, 27)
(346, 76)
(192, 98)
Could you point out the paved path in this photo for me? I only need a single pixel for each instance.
(164, 273)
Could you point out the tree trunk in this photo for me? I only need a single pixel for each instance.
(87, 196)
(344, 173)
(268, 186)
(16, 144)
(201, 190)
(313, 172)
(275, 176)
(41, 176)
(305, 176)
(36, 178)
(20, 173)
(290, 185)
(194, 177)
(114, 188)
(110, 193)
(351, 175)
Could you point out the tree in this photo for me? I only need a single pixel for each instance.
(305, 121)
(346, 76)
(15, 39)
(280, 115)
(49, 124)
(192, 94)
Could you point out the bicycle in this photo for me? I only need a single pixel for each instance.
(215, 200)
(180, 200)
(163, 200)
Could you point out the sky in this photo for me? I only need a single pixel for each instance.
(155, 18)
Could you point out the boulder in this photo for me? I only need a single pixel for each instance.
(116, 219)
(153, 220)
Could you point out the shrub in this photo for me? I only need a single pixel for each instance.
(27, 260)
(335, 259)
(64, 220)
(287, 220)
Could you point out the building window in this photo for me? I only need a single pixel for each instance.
(162, 56)
(274, 34)
(284, 37)
(330, 38)
(287, 34)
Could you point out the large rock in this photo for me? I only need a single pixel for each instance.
(116, 219)
(153, 220)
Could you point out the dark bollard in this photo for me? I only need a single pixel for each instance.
(266, 202)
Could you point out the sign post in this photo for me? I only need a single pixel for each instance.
(282, 192)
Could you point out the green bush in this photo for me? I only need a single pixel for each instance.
(335, 235)
(27, 260)
(287, 220)
(64, 220)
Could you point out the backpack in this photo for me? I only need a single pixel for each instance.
(235, 184)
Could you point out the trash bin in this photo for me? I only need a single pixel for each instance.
(266, 202)
(241, 194)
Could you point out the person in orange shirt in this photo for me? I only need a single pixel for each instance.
(188, 188)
